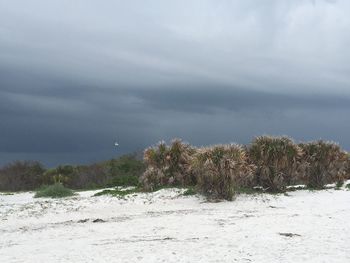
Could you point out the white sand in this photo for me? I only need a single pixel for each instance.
(167, 227)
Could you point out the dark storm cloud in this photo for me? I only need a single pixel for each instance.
(76, 76)
(211, 99)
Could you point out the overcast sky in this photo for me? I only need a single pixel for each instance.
(77, 75)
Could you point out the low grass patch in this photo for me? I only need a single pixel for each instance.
(190, 191)
(338, 186)
(124, 192)
(296, 188)
(258, 190)
(249, 191)
(325, 187)
(118, 192)
(54, 191)
(165, 187)
(6, 193)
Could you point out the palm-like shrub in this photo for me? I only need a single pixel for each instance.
(168, 165)
(278, 161)
(221, 169)
(327, 163)
(347, 173)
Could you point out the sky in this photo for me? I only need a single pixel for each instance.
(75, 76)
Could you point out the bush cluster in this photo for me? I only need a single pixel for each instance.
(272, 163)
(221, 169)
(168, 165)
(347, 173)
(21, 175)
(326, 163)
(278, 160)
(28, 175)
(56, 190)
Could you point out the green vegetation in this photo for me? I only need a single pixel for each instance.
(190, 191)
(56, 190)
(339, 184)
(118, 192)
(221, 169)
(295, 188)
(168, 165)
(268, 164)
(6, 193)
(326, 163)
(125, 171)
(248, 190)
(125, 180)
(278, 161)
(22, 176)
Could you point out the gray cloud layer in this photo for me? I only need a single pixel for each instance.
(76, 75)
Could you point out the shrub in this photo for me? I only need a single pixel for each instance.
(221, 169)
(21, 175)
(54, 191)
(47, 178)
(347, 174)
(125, 171)
(168, 165)
(124, 180)
(278, 161)
(62, 174)
(88, 176)
(77, 177)
(327, 163)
